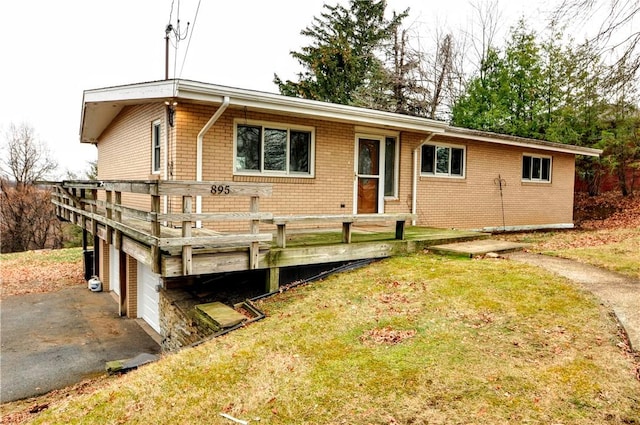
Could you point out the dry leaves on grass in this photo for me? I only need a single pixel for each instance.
(609, 210)
(38, 275)
(22, 411)
(387, 335)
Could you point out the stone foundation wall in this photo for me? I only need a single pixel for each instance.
(180, 323)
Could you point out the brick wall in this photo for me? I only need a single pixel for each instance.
(124, 148)
(472, 202)
(132, 287)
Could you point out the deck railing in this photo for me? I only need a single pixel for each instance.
(80, 203)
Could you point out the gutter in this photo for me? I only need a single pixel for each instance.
(223, 107)
(414, 186)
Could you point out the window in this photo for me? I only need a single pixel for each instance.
(155, 146)
(441, 160)
(391, 167)
(536, 168)
(273, 149)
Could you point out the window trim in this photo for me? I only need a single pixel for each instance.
(156, 143)
(396, 167)
(536, 180)
(277, 126)
(448, 175)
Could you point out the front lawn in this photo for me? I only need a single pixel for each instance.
(418, 339)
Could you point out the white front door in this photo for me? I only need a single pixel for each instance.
(148, 296)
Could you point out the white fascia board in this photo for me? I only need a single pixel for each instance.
(526, 143)
(153, 90)
(293, 105)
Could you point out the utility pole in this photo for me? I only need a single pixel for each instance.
(167, 31)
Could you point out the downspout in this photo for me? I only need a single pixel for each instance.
(414, 188)
(205, 129)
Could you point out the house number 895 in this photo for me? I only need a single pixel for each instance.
(222, 189)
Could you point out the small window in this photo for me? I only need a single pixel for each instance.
(156, 139)
(442, 160)
(391, 167)
(273, 150)
(536, 168)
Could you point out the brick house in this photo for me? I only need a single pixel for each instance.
(323, 158)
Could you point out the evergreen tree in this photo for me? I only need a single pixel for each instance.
(343, 55)
(507, 96)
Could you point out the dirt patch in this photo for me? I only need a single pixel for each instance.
(387, 335)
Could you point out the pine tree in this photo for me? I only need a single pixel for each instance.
(342, 57)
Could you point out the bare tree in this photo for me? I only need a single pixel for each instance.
(486, 23)
(27, 217)
(26, 159)
(617, 33)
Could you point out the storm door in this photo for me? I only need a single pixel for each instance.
(368, 175)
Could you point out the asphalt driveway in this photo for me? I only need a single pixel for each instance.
(52, 340)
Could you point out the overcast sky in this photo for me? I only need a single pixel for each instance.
(53, 50)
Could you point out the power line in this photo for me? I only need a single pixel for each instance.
(184, 59)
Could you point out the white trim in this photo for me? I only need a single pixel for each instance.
(525, 227)
(108, 101)
(501, 139)
(448, 175)
(396, 168)
(100, 106)
(278, 126)
(156, 124)
(540, 180)
(380, 176)
(377, 131)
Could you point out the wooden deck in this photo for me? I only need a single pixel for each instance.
(179, 244)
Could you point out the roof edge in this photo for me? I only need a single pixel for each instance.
(505, 139)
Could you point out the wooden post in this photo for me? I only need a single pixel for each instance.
(67, 213)
(254, 249)
(400, 230)
(83, 220)
(155, 232)
(74, 216)
(122, 302)
(109, 216)
(187, 250)
(281, 238)
(94, 231)
(273, 279)
(346, 232)
(118, 218)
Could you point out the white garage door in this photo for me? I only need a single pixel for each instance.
(148, 297)
(114, 269)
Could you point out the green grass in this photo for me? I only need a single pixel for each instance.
(483, 341)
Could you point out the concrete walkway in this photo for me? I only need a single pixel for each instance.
(478, 247)
(619, 292)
